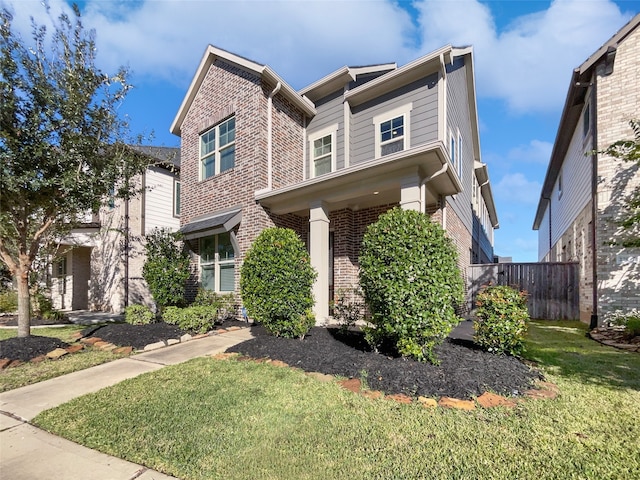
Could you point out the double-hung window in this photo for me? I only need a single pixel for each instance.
(176, 198)
(322, 147)
(455, 151)
(218, 149)
(217, 263)
(392, 131)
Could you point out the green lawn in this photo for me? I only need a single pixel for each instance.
(29, 373)
(239, 420)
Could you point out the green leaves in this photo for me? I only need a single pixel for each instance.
(502, 315)
(166, 268)
(411, 282)
(276, 282)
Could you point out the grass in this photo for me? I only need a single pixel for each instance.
(226, 419)
(29, 373)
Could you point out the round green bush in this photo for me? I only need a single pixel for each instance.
(411, 283)
(138, 315)
(501, 320)
(276, 281)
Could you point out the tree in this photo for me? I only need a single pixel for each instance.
(166, 268)
(629, 151)
(62, 145)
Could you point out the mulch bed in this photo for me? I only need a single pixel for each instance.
(464, 370)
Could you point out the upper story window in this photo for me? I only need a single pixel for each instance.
(217, 264)
(560, 186)
(392, 130)
(176, 198)
(459, 155)
(586, 121)
(322, 145)
(218, 149)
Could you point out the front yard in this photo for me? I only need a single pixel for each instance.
(227, 419)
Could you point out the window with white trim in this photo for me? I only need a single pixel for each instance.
(218, 149)
(560, 186)
(459, 155)
(322, 147)
(176, 198)
(217, 263)
(452, 149)
(392, 131)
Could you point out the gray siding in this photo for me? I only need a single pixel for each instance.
(330, 111)
(458, 118)
(424, 117)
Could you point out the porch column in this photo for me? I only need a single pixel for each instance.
(410, 193)
(319, 251)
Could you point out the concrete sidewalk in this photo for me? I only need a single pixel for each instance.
(27, 452)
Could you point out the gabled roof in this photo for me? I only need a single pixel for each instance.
(211, 54)
(339, 78)
(572, 111)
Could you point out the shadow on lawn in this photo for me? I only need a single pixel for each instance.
(564, 349)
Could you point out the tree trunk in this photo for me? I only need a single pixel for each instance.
(24, 302)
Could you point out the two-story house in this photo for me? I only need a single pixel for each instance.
(584, 191)
(327, 160)
(99, 264)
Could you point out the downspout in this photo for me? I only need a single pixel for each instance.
(126, 246)
(594, 200)
(270, 135)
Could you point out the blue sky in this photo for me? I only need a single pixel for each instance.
(524, 54)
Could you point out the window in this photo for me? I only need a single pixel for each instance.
(322, 145)
(61, 267)
(176, 198)
(560, 186)
(217, 264)
(218, 149)
(586, 121)
(392, 131)
(452, 148)
(459, 155)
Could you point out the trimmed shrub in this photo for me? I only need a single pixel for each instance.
(225, 303)
(139, 315)
(630, 320)
(411, 283)
(196, 318)
(276, 281)
(501, 324)
(166, 268)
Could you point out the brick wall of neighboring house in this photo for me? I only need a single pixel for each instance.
(618, 101)
(225, 91)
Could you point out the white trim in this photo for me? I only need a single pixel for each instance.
(442, 101)
(346, 121)
(459, 155)
(401, 111)
(331, 130)
(217, 149)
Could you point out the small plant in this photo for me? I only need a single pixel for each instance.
(42, 306)
(348, 307)
(411, 283)
(138, 315)
(501, 324)
(196, 318)
(8, 301)
(276, 281)
(224, 303)
(630, 320)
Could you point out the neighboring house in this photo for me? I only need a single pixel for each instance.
(583, 191)
(326, 161)
(99, 267)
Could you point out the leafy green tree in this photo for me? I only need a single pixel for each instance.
(276, 282)
(62, 145)
(166, 268)
(411, 282)
(629, 151)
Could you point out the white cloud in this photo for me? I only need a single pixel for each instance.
(529, 63)
(515, 188)
(536, 151)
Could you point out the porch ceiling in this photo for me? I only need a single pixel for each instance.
(376, 182)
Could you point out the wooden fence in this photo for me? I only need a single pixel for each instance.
(553, 288)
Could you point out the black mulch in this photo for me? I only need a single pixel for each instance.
(24, 349)
(136, 336)
(464, 371)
